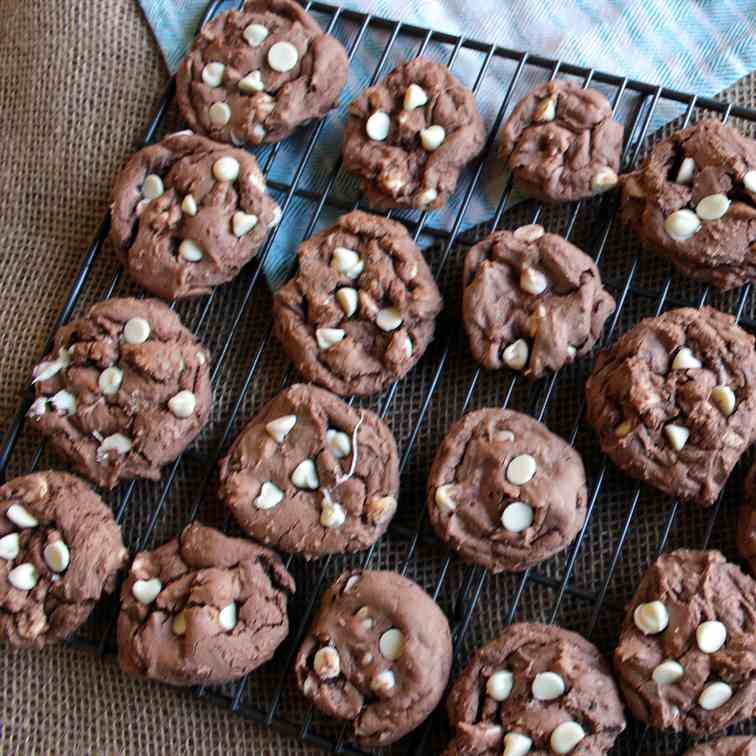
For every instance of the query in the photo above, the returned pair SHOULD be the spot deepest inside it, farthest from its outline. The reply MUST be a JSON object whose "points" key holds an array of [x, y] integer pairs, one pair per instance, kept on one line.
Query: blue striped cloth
{"points": [[700, 47]]}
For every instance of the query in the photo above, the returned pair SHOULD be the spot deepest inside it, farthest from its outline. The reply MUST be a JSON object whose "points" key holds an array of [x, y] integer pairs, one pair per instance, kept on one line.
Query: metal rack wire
{"points": [[551, 592]]}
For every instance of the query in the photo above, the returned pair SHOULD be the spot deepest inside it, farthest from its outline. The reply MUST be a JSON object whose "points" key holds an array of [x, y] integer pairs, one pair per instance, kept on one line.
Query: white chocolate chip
{"points": [[682, 224], [152, 188], [347, 261], [327, 663], [279, 428], [686, 171], [414, 97], [363, 614], [516, 744], [38, 407], [504, 436], [516, 354], [24, 577], [393, 184], [381, 509], [64, 402], [179, 623], [548, 686], [117, 443], [255, 34], [189, 205], [724, 398], [212, 74], [136, 331], [327, 337], [252, 82], [227, 617], [565, 737], [46, 370], [668, 672], [351, 582], [651, 618], [241, 223], [305, 475], [339, 443], [407, 347], [545, 110], [258, 132], [604, 178], [444, 501], [21, 517], [749, 181], [10, 545], [428, 196], [715, 695], [521, 469], [190, 251], [388, 319], [220, 114], [624, 428], [57, 556], [332, 514], [378, 126], [685, 360], [283, 56], [383, 683], [677, 435], [432, 137], [270, 495], [226, 169], [201, 359], [110, 380], [391, 644], [530, 233], [517, 516], [499, 685], [711, 636], [347, 299], [183, 404], [146, 591], [533, 280], [712, 207]]}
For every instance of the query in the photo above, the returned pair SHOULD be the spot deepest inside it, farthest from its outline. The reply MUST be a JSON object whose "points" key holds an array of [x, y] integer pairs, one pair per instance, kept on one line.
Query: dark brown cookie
{"points": [[255, 74], [562, 143], [409, 137], [694, 200], [311, 475], [360, 311], [532, 301], [60, 550], [686, 658], [674, 401], [202, 609], [747, 521], [733, 746], [124, 390], [378, 654], [536, 689], [504, 491], [188, 213]]}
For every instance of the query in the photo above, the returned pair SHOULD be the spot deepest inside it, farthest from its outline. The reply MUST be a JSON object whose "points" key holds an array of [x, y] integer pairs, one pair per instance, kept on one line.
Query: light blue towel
{"points": [[700, 47]]}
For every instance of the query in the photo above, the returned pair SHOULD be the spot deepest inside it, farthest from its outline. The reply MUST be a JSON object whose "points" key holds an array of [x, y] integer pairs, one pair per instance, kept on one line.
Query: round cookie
{"points": [[311, 475], [694, 200], [535, 689], [361, 309], [532, 301], [732, 746], [188, 213], [504, 492], [685, 658], [378, 654], [202, 609], [124, 390], [60, 550], [673, 401], [562, 143], [256, 74], [746, 532], [409, 137]]}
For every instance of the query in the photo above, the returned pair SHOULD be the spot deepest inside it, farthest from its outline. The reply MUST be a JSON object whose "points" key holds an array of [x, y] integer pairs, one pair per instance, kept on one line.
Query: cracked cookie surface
{"points": [[409, 137], [562, 143], [311, 475], [732, 746], [256, 74], [694, 201], [360, 311], [60, 550], [188, 213], [747, 521], [202, 609], [124, 390], [533, 302], [673, 401], [685, 659], [535, 689], [378, 654]]}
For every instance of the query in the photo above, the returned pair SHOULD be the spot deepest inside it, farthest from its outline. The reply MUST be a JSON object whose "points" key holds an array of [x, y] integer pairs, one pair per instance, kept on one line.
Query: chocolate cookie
{"points": [[685, 658], [311, 475], [673, 401], [202, 609], [378, 653], [535, 689], [562, 143], [124, 390], [255, 74], [532, 301], [694, 200], [409, 137], [188, 213], [360, 311], [747, 521], [733, 746], [504, 492], [60, 550]]}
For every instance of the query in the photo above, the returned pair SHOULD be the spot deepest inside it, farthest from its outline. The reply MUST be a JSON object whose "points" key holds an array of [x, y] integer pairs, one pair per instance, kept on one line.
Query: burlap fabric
{"points": [[78, 82]]}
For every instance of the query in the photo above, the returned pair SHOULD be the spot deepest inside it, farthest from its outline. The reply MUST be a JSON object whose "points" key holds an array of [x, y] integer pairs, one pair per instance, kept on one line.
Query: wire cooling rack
{"points": [[628, 525]]}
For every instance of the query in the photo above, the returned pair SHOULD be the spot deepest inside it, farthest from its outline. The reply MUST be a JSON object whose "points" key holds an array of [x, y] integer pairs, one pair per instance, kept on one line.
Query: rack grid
{"points": [[585, 587]]}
